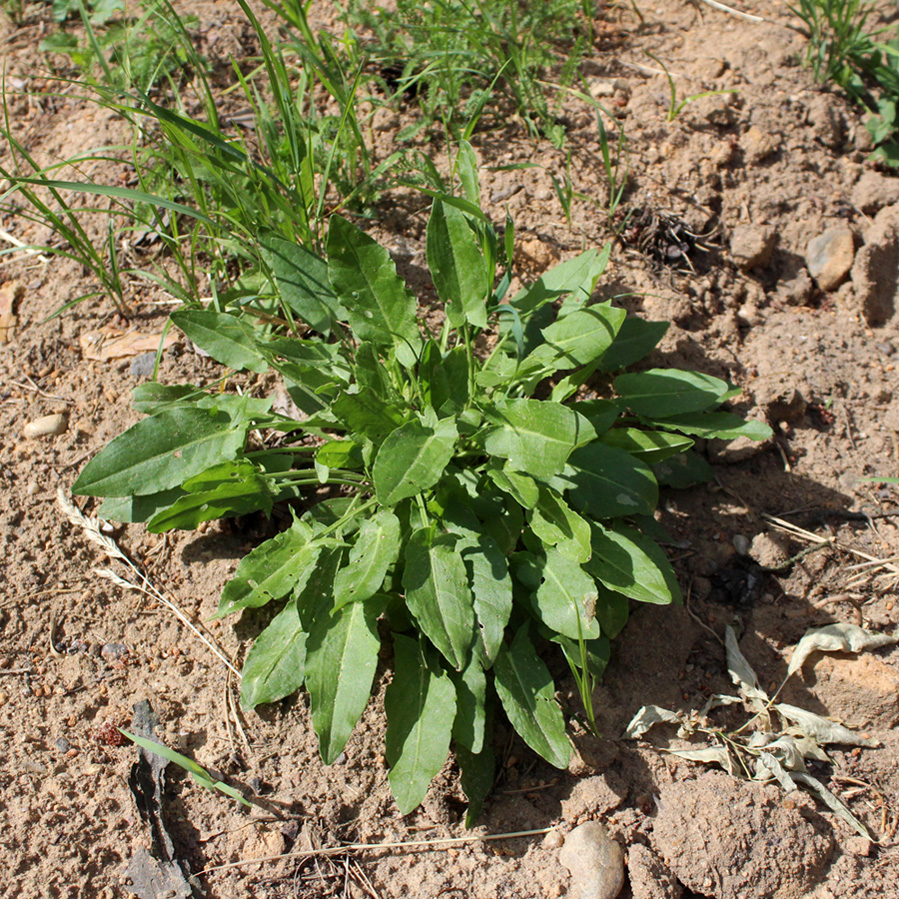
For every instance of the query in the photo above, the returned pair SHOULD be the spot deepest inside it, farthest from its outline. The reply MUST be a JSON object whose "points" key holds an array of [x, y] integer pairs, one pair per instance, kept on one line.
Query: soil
{"points": [[724, 201]]}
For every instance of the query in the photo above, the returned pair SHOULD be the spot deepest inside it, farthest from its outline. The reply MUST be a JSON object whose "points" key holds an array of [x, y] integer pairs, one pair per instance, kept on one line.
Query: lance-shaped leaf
{"points": [[607, 482], [457, 266], [421, 707], [376, 548], [412, 459], [225, 337], [635, 339], [223, 491], [438, 594], [379, 306], [721, 425], [276, 665], [536, 436], [272, 570], [662, 392], [366, 413], [162, 452], [471, 706], [302, 281], [341, 658], [649, 446], [557, 524], [581, 337], [628, 562], [491, 586], [527, 693], [562, 595], [477, 775]]}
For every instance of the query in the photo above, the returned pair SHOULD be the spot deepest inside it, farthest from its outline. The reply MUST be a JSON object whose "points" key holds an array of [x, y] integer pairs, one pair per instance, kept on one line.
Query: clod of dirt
{"points": [[595, 861], [46, 426], [873, 191], [875, 274], [829, 256], [730, 839], [827, 121], [649, 876], [751, 246], [758, 145]]}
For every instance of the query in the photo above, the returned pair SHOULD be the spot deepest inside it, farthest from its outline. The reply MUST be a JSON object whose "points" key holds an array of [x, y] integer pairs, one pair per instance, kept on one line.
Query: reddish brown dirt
{"points": [[762, 171]]}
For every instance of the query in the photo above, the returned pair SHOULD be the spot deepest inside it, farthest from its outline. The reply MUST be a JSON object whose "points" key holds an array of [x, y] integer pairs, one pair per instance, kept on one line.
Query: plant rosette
{"points": [[480, 524]]}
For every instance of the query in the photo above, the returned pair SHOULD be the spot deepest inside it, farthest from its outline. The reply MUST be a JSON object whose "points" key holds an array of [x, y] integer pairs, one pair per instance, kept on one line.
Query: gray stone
{"points": [[829, 256], [595, 861], [751, 246], [46, 426], [143, 365]]}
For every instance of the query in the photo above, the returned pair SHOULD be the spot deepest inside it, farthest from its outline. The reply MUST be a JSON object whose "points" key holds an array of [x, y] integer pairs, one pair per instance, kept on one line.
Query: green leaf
{"points": [[477, 775], [377, 547], [606, 482], [597, 654], [471, 706], [161, 452], [225, 337], [662, 392], [562, 595], [557, 524], [576, 276], [491, 586], [197, 772], [272, 570], [521, 487], [132, 509], [379, 306], [636, 338], [581, 337], [536, 436], [365, 413], [339, 454], [721, 425], [341, 658], [527, 693], [630, 563], [275, 666], [444, 378], [438, 594], [152, 397], [684, 471], [600, 413], [302, 280], [223, 491], [612, 612], [650, 446], [412, 459], [421, 706], [457, 266]]}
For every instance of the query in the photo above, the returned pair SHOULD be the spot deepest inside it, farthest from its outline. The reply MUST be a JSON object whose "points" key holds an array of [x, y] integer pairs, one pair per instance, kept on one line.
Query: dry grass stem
{"points": [[439, 844], [734, 12], [90, 527]]}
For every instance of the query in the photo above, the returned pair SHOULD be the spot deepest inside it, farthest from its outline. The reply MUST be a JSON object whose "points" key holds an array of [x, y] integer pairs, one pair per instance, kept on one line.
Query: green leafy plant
{"points": [[676, 105], [450, 55], [460, 488]]}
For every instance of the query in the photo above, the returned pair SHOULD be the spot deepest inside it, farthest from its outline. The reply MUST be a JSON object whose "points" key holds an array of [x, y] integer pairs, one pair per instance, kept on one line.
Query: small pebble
{"points": [[553, 840], [63, 745], [741, 544], [143, 365], [47, 426], [114, 651], [595, 861]]}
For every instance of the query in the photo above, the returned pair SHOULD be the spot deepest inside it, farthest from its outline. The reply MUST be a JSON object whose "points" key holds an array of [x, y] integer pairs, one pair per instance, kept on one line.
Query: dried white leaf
{"points": [[716, 700], [820, 729], [119, 581], [741, 671], [647, 717], [836, 805], [836, 638], [784, 748], [767, 767], [710, 755]]}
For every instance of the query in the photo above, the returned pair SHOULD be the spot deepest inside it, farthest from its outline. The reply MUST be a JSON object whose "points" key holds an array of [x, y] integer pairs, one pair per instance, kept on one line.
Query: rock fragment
{"points": [[751, 246], [758, 145], [829, 256], [730, 839], [873, 191], [649, 876], [595, 861], [46, 426], [875, 273]]}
